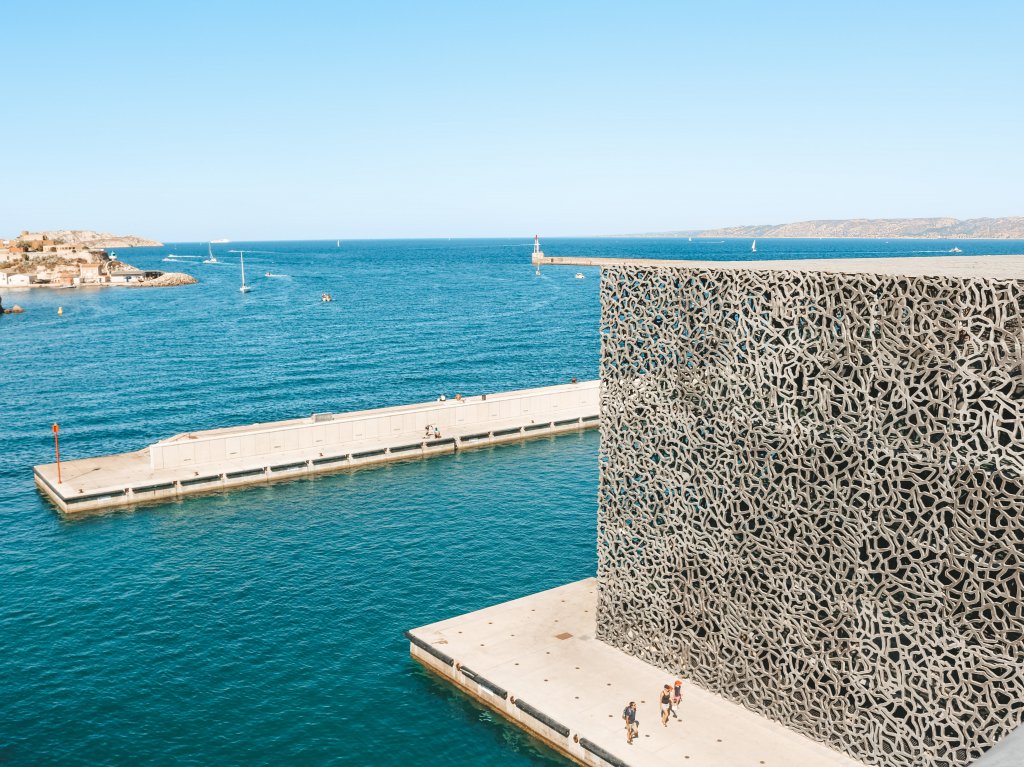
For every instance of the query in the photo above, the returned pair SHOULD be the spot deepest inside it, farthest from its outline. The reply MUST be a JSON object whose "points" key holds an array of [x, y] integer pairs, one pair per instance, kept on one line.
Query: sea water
{"points": [[264, 626]]}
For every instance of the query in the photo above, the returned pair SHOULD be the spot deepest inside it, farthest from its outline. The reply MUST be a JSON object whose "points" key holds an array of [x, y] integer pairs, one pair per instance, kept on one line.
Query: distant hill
{"points": [[93, 239], [1007, 228]]}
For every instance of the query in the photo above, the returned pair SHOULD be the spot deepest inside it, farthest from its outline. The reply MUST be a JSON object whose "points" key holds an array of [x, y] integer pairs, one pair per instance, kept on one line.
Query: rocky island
{"points": [[93, 239], [1005, 228], [73, 258]]}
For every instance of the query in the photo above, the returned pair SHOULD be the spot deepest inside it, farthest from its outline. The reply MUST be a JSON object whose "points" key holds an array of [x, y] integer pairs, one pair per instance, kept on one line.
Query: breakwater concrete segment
{"points": [[536, 662], [217, 459]]}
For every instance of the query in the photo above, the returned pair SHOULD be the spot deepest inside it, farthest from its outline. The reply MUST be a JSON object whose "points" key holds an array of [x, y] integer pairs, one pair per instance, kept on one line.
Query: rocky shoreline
{"points": [[166, 280]]}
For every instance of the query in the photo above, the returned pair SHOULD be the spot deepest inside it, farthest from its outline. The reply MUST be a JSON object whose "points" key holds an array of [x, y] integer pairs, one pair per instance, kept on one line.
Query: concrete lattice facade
{"points": [[811, 498]]}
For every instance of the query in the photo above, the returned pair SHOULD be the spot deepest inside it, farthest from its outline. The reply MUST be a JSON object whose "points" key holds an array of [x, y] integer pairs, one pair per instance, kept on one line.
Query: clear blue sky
{"points": [[251, 120]]}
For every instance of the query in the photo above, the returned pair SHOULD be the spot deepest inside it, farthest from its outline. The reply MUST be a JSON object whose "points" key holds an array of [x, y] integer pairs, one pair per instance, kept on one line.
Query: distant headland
{"points": [[90, 239], [1006, 228]]}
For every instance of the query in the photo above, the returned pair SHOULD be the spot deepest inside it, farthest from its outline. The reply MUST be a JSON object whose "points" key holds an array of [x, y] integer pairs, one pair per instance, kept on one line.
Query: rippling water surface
{"points": [[265, 626]]}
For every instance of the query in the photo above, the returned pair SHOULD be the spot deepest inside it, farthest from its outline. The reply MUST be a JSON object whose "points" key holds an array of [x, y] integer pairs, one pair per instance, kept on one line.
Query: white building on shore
{"points": [[15, 280]]}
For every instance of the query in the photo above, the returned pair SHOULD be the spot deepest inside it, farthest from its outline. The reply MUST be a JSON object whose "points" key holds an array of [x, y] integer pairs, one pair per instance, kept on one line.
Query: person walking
{"points": [[665, 703], [677, 697], [632, 725]]}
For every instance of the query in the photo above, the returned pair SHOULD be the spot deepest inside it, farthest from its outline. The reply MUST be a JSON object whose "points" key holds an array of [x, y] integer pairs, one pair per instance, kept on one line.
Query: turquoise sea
{"points": [[264, 626]]}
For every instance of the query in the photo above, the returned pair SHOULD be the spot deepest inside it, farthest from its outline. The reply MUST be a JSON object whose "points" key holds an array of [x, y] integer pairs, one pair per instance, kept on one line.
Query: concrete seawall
{"points": [[536, 661], [218, 459]]}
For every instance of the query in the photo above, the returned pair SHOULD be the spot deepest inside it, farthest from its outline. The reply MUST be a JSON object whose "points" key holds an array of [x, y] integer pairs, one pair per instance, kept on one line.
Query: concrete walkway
{"points": [[541, 650], [222, 459]]}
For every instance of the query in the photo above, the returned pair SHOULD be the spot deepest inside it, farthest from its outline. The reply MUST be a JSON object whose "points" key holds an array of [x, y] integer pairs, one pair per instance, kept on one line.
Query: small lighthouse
{"points": [[538, 254]]}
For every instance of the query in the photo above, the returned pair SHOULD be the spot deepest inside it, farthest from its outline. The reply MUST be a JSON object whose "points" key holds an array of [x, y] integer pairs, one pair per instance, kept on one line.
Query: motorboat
{"points": [[579, 275], [326, 298], [956, 250]]}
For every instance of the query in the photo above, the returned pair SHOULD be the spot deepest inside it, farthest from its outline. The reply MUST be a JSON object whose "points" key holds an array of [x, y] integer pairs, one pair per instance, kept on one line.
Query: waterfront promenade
{"points": [[536, 662], [218, 459]]}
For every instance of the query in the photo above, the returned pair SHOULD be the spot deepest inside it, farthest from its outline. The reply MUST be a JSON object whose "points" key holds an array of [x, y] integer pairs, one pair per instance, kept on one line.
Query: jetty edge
{"points": [[220, 459], [536, 661]]}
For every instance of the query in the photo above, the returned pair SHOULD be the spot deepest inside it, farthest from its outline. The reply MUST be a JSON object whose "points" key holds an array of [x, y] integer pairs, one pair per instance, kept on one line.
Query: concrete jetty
{"points": [[218, 459], [1008, 267], [536, 662]]}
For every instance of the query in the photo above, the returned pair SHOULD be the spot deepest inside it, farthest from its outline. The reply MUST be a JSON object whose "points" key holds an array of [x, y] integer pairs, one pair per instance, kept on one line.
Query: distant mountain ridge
{"points": [[93, 239], [1006, 228]]}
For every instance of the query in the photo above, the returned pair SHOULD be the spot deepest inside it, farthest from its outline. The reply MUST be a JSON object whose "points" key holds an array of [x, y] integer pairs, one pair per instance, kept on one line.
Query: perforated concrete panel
{"points": [[811, 499]]}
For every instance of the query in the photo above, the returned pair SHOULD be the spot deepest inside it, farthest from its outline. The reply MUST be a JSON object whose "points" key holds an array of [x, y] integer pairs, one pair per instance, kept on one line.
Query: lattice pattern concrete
{"points": [[811, 499]]}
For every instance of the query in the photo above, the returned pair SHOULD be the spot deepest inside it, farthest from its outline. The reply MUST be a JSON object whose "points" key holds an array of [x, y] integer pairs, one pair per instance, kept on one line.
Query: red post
{"points": [[56, 445]]}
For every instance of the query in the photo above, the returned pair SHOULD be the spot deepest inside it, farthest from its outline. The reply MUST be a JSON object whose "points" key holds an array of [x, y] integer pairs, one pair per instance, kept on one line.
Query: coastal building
{"points": [[91, 273], [15, 279], [126, 274], [811, 504], [65, 249], [34, 241], [812, 475]]}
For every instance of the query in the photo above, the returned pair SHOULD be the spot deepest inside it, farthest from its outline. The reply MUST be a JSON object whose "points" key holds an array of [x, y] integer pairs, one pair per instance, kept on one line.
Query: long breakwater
{"points": [[222, 459]]}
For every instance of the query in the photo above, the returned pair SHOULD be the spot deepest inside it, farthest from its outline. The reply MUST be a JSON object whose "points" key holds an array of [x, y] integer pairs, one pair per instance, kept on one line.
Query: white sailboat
{"points": [[241, 259], [211, 259], [753, 247]]}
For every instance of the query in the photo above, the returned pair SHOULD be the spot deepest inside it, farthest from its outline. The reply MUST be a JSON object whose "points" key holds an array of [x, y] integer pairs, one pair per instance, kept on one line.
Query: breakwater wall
{"points": [[219, 459]]}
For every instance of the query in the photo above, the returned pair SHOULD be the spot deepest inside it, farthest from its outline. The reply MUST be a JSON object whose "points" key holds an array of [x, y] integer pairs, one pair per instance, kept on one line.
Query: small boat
{"points": [[241, 259], [326, 298], [579, 275], [956, 250], [753, 247]]}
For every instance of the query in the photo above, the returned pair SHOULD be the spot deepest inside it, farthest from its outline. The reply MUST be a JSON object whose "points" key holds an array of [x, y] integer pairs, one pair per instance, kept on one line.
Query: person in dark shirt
{"points": [[632, 725], [665, 702]]}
